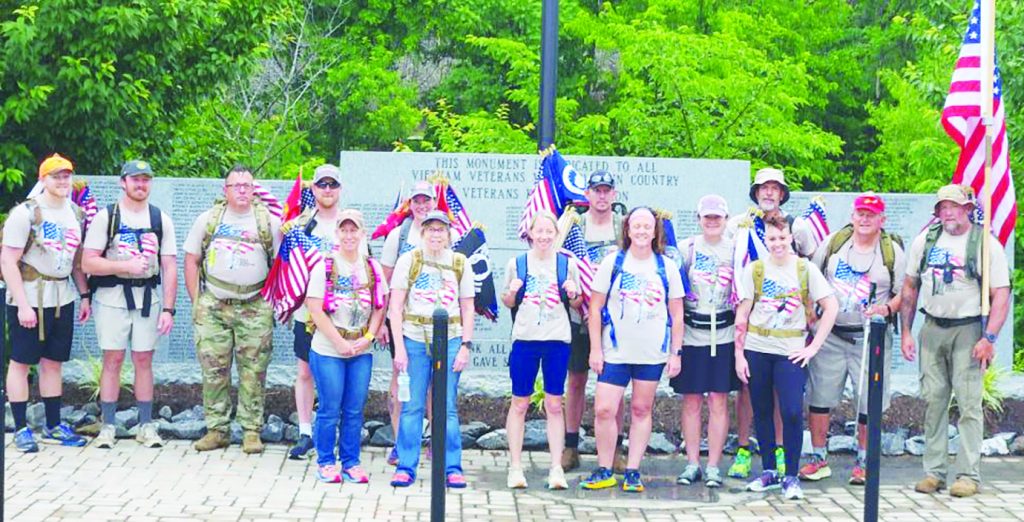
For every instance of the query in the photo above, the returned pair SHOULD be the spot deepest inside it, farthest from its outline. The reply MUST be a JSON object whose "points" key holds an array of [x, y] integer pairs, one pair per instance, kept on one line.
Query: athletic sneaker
{"points": [[601, 478], [106, 438], [741, 464], [712, 477], [516, 479], [63, 435], [632, 483], [25, 441], [859, 476], [556, 478], [328, 473], [393, 456], [302, 448], [816, 469], [149, 435], [356, 475], [791, 488], [690, 474], [767, 481], [780, 460]]}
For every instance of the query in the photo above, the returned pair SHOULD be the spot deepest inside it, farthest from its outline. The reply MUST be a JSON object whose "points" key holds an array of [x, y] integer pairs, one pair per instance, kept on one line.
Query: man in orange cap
{"points": [[39, 260]]}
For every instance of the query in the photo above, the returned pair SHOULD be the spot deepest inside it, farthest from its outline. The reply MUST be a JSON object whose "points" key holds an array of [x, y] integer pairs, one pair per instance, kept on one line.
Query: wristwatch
{"points": [[468, 345], [990, 337], [170, 311]]}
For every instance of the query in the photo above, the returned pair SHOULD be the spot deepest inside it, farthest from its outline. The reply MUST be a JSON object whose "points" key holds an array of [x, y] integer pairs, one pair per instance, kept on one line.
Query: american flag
{"points": [[851, 282], [961, 117], [538, 293], [585, 259], [815, 217], [227, 237], [779, 298], [83, 197], [272, 203], [298, 255], [460, 218], [54, 237], [939, 259], [550, 191]]}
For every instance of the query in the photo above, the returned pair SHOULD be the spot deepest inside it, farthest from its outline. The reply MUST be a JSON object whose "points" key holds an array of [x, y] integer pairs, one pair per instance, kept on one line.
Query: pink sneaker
{"points": [[456, 480], [328, 473], [357, 475]]}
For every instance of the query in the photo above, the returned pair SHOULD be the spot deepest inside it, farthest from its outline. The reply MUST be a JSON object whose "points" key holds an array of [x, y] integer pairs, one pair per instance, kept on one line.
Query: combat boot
{"points": [[214, 439], [570, 459], [251, 442]]}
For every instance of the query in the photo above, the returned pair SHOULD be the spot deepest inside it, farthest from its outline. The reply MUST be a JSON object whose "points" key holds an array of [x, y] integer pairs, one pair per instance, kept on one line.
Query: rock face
{"points": [[495, 440]]}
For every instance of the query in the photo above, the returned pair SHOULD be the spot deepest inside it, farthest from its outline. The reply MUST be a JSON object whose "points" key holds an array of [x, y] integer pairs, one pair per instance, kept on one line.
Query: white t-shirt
{"points": [[710, 272], [127, 245], [352, 298], [433, 285], [960, 298], [236, 254], [780, 306], [541, 315], [851, 273], [52, 253], [638, 308]]}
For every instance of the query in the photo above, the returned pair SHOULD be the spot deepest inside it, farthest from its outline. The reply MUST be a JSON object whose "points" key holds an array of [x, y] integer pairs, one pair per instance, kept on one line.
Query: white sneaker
{"points": [[149, 435], [791, 489], [556, 478], [106, 438], [516, 479]]}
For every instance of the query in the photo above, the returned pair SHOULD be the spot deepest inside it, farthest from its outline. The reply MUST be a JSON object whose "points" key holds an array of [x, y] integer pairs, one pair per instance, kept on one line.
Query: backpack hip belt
{"points": [[723, 319], [351, 335], [425, 320], [234, 302], [776, 332], [149, 284], [943, 322], [29, 274], [231, 287]]}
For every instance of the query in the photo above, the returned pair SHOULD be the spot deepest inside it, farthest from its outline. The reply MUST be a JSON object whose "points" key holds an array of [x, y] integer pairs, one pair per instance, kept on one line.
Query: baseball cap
{"points": [[959, 194], [437, 215], [422, 188], [869, 201], [327, 171], [712, 205], [353, 215], [764, 176], [54, 163], [136, 168], [599, 178]]}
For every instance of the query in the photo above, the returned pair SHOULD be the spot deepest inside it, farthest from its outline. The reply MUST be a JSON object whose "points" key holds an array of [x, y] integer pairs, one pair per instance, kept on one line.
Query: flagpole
{"points": [[988, 57], [548, 73]]}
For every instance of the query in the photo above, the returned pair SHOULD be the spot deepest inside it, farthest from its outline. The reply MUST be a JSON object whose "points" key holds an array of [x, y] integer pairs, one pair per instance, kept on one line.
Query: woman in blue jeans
{"points": [[430, 276], [774, 317], [541, 285], [345, 299]]}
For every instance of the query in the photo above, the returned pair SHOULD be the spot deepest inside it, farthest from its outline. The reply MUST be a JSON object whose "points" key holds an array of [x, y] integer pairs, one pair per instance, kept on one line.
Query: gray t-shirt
{"points": [[851, 273], [52, 253], [780, 305], [710, 271], [960, 298]]}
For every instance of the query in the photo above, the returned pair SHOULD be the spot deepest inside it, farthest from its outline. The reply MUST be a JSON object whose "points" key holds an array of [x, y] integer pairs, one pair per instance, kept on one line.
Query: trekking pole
{"points": [[3, 393], [438, 420], [875, 391], [864, 349]]}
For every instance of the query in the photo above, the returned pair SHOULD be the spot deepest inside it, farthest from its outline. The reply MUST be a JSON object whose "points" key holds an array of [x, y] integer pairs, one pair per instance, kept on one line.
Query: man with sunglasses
{"points": [[319, 223], [228, 253]]}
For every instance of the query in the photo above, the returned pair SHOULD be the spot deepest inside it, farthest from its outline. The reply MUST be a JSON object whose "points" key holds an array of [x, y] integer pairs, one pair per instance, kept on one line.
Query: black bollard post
{"points": [[876, 381], [438, 420]]}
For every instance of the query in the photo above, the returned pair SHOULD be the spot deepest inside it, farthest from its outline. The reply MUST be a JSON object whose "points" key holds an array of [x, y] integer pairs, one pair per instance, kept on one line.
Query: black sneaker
{"points": [[302, 449]]}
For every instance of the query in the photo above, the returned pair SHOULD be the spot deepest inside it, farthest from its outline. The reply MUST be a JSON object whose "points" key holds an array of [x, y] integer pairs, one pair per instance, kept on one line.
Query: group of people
{"points": [[793, 319]]}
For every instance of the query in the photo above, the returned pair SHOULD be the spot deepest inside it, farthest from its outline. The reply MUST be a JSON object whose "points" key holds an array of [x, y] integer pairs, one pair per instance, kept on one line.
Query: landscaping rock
{"points": [[850, 428], [236, 432], [273, 430], [495, 440], [291, 433], [35, 415], [383, 437], [165, 412], [127, 418], [373, 426], [731, 444], [294, 418], [842, 444], [954, 445], [364, 436], [65, 412], [1017, 446], [9, 420], [588, 445], [475, 429], [660, 445], [915, 445], [994, 447], [188, 429], [893, 444], [535, 436], [92, 409]]}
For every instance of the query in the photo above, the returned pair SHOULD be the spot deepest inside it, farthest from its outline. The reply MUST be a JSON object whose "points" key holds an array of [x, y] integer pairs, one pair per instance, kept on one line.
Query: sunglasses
{"points": [[601, 179], [328, 184]]}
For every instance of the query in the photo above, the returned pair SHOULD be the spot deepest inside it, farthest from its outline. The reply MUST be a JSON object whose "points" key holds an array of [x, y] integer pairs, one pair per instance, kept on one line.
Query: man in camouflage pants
{"points": [[227, 258]]}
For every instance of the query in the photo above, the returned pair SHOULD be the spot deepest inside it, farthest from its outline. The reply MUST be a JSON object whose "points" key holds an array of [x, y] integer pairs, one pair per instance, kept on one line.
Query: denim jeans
{"points": [[342, 385], [410, 426]]}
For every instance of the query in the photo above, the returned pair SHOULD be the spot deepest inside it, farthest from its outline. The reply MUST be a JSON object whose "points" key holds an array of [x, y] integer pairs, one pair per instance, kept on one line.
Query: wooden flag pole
{"points": [[988, 58]]}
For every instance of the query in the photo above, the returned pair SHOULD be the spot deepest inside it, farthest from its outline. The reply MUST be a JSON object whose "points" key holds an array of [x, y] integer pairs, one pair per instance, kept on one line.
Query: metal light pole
{"points": [[548, 73]]}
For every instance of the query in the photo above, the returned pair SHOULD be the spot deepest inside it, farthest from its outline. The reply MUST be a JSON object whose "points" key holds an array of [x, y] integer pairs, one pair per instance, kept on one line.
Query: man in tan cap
{"points": [[944, 270]]}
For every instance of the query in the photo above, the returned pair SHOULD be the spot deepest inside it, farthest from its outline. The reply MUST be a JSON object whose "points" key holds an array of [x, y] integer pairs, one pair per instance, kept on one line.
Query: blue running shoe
{"points": [[63, 435], [302, 448], [25, 441]]}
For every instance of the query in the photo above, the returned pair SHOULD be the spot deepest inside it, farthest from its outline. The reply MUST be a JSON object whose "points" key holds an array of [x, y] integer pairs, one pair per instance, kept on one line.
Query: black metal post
{"points": [[438, 420], [876, 382], [548, 72]]}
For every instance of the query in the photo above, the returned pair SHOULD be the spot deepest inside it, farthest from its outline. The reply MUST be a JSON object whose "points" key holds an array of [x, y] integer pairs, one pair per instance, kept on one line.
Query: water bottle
{"points": [[404, 394]]}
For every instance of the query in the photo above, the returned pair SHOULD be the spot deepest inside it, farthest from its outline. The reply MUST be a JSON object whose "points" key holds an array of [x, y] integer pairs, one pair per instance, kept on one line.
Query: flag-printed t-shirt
{"points": [[638, 308], [851, 273], [433, 286], [352, 299], [541, 315], [324, 237], [52, 252], [236, 254], [961, 296], [391, 250], [710, 271], [127, 245], [781, 305]]}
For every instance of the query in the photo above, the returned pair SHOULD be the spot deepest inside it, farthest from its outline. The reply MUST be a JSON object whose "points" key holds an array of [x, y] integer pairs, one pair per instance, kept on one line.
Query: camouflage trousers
{"points": [[241, 331]]}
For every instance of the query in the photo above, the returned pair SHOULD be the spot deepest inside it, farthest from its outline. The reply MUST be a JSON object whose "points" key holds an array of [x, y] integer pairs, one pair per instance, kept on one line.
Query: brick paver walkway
{"points": [[176, 483]]}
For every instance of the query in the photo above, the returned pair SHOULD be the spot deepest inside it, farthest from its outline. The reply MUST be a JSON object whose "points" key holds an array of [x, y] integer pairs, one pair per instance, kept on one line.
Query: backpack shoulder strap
{"points": [[403, 232], [36, 213], [758, 276], [617, 224], [840, 238], [660, 260], [974, 239], [263, 229], [213, 219], [113, 222], [156, 224], [932, 237], [889, 260], [805, 292], [522, 272], [415, 267], [620, 258], [459, 266]]}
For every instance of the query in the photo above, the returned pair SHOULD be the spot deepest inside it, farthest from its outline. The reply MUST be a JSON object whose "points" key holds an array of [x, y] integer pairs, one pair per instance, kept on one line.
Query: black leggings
{"points": [[768, 373]]}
